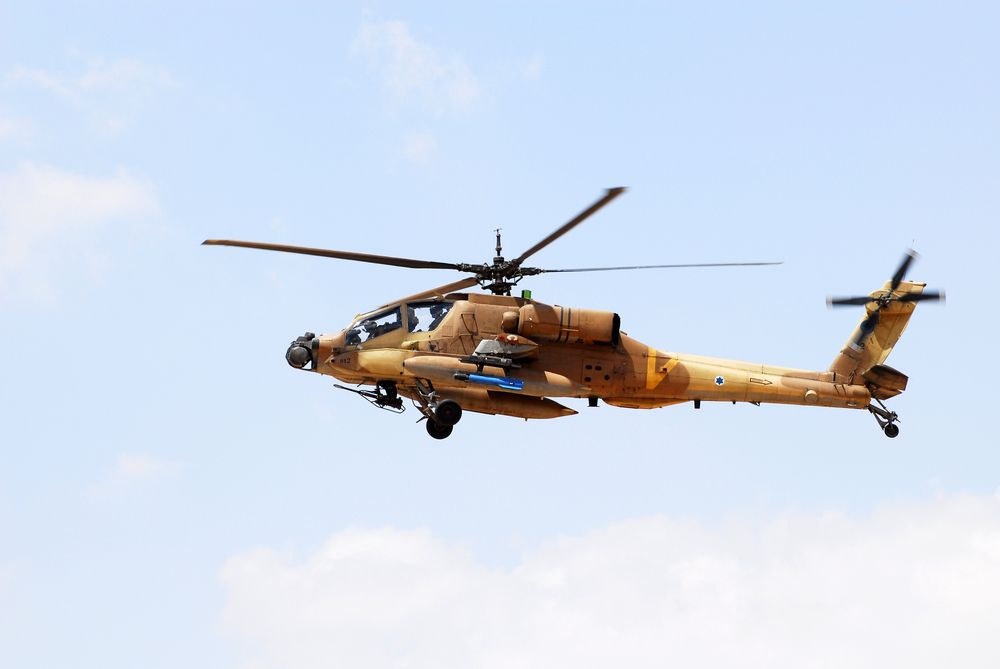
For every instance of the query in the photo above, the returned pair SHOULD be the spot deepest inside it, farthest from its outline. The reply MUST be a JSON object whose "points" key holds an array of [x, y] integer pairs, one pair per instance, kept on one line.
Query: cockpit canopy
{"points": [[426, 316], [420, 317]]}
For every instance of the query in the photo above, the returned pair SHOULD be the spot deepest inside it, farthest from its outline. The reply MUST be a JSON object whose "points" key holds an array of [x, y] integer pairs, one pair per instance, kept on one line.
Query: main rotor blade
{"points": [[342, 255], [440, 291], [908, 259], [609, 195], [926, 296], [703, 264], [848, 301]]}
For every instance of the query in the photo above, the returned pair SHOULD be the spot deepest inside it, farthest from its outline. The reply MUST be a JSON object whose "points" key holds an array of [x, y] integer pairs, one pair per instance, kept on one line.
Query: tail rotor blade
{"points": [[908, 259], [848, 301], [866, 328], [928, 296]]}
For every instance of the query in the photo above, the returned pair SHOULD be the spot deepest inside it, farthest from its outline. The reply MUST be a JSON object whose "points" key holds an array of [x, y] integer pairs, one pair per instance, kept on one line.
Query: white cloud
{"points": [[15, 129], [419, 146], [98, 75], [49, 218], [911, 585], [130, 471], [415, 72], [7, 576], [111, 92], [532, 69], [135, 467]]}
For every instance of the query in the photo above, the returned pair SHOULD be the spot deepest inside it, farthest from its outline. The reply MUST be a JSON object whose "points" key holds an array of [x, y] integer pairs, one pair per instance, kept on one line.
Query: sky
{"points": [[173, 494]]}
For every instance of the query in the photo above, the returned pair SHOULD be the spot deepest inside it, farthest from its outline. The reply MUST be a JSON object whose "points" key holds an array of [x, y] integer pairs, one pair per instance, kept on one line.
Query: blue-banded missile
{"points": [[441, 369], [502, 382]]}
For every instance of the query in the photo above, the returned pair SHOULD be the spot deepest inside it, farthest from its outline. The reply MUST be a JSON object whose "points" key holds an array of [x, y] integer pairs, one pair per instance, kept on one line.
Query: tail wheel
{"points": [[437, 430]]}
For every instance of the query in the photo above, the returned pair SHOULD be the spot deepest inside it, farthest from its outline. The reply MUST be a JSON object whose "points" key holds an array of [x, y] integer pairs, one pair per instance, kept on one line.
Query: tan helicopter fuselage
{"points": [[578, 353], [451, 351]]}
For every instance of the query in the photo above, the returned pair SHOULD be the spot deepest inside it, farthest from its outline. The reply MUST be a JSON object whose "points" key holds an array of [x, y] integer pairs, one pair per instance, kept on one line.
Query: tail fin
{"points": [[876, 334]]}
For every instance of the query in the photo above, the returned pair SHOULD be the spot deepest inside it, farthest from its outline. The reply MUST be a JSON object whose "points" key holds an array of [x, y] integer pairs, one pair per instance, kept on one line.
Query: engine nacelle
{"points": [[543, 322]]}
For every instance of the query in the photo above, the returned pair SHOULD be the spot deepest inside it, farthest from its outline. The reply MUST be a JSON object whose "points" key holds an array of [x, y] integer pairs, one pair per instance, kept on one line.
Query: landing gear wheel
{"points": [[886, 419], [437, 430], [448, 413]]}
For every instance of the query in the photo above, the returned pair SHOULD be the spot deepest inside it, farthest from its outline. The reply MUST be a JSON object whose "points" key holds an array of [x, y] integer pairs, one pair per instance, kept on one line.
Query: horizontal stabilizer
{"points": [[884, 382]]}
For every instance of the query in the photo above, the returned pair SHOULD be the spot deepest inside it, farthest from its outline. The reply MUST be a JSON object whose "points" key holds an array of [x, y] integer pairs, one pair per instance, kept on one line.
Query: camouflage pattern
{"points": [[578, 353]]}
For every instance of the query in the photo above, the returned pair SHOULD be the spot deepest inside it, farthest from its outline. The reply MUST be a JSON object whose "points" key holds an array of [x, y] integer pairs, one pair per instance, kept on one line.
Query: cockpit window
{"points": [[426, 316], [369, 327]]}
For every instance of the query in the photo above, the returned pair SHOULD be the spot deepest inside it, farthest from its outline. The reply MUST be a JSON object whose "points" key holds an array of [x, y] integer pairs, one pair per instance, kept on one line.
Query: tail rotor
{"points": [[862, 359], [883, 298]]}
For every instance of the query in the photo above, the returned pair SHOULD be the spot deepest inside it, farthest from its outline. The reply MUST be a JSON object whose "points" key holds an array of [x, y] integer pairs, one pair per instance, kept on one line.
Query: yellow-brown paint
{"points": [[555, 369], [653, 375]]}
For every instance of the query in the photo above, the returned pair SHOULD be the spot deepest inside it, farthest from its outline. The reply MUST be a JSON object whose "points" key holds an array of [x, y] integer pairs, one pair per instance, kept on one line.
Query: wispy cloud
{"points": [[914, 585], [132, 470], [48, 218], [7, 576], [99, 75], [532, 69], [15, 129], [419, 146], [134, 467], [111, 92], [416, 73]]}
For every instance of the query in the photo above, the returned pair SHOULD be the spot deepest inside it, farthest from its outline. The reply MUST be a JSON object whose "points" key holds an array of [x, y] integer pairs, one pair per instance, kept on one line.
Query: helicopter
{"points": [[449, 351]]}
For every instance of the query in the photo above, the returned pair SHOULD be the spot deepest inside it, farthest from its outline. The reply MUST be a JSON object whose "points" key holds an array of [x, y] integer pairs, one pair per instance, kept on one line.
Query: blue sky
{"points": [[173, 494]]}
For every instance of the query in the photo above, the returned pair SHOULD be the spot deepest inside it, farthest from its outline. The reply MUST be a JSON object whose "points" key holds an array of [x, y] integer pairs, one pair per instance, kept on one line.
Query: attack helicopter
{"points": [[450, 351]]}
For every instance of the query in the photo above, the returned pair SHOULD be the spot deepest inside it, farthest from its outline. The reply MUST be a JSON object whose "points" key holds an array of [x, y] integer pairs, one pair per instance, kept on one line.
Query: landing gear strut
{"points": [[442, 415], [886, 419]]}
